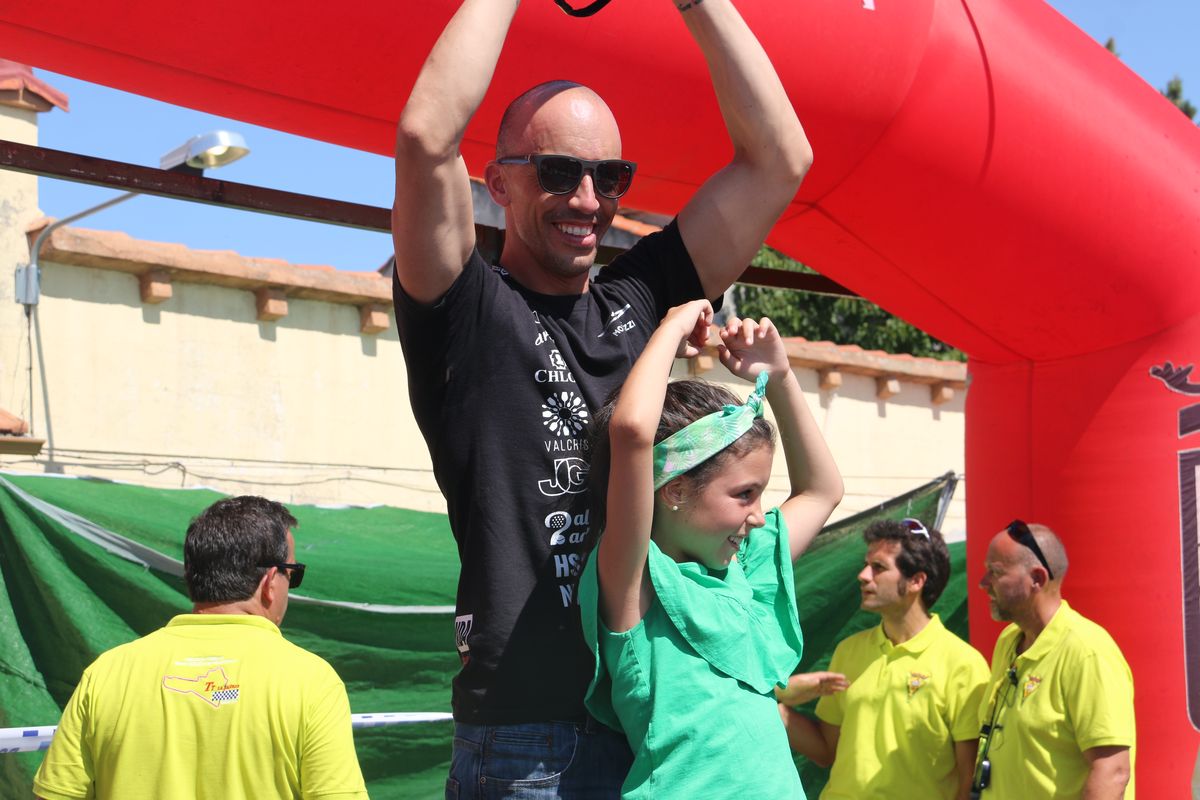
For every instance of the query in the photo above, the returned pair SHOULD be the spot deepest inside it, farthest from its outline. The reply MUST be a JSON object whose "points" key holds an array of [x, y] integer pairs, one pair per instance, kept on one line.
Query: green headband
{"points": [[690, 446]]}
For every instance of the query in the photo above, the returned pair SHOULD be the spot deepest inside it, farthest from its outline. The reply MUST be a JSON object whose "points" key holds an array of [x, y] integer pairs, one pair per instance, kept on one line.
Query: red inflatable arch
{"points": [[983, 169]]}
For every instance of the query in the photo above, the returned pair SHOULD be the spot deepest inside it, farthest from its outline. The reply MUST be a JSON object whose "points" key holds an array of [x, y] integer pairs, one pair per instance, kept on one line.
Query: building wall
{"points": [[197, 391], [18, 208]]}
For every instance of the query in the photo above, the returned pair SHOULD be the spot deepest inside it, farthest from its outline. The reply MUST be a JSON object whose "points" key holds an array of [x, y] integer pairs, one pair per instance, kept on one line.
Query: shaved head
{"points": [[552, 103], [1052, 548], [1011, 576]]}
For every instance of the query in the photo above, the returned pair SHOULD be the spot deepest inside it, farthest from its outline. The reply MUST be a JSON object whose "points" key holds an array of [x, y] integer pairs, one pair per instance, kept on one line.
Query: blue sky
{"points": [[1156, 38]]}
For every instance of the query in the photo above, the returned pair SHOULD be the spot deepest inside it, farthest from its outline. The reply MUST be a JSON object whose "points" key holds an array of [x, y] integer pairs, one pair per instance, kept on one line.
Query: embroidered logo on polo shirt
{"points": [[915, 681], [212, 686], [1031, 683]]}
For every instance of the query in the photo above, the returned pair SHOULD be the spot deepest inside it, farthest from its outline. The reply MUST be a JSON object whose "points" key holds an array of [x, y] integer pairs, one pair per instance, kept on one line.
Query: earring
{"points": [[674, 508]]}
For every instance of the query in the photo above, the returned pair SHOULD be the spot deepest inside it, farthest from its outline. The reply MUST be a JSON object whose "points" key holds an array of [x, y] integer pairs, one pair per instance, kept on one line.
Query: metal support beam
{"points": [[59, 164], [164, 183]]}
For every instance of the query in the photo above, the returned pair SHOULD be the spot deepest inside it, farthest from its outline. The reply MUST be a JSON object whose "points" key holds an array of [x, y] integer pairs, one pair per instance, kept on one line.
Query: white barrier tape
{"points": [[398, 718], [28, 740]]}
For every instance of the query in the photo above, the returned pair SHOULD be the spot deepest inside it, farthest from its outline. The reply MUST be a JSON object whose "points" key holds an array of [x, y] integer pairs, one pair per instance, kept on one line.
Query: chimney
{"points": [[20, 88]]}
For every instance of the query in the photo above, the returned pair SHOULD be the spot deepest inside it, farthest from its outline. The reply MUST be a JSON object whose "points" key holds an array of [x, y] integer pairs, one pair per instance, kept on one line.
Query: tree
{"points": [[843, 320], [1173, 90], [1174, 93]]}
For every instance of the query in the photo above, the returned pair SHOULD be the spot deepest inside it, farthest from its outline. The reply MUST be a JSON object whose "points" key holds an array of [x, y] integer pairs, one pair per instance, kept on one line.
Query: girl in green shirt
{"points": [[688, 601]]}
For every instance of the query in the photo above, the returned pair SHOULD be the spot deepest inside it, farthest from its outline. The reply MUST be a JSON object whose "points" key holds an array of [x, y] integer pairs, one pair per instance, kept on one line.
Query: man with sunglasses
{"points": [[507, 362], [1058, 716], [907, 724], [216, 703]]}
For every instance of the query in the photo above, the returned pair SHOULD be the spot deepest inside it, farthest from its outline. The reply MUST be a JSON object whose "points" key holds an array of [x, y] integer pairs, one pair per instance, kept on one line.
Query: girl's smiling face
{"points": [[712, 522]]}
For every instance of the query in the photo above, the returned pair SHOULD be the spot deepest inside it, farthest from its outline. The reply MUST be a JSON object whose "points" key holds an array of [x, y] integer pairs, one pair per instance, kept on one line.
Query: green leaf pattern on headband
{"points": [[691, 446]]}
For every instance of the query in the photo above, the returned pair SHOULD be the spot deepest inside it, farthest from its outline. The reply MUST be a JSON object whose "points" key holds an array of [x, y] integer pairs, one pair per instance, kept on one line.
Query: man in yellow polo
{"points": [[1058, 718], [907, 725], [216, 704]]}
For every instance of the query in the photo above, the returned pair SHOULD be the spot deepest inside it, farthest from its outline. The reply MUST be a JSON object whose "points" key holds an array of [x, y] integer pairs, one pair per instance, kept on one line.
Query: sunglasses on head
{"points": [[1019, 532], [915, 527], [294, 572], [562, 174]]}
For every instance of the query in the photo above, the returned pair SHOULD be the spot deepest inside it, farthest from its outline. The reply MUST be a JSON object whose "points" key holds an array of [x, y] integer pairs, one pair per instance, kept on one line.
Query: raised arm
{"points": [[433, 221], [625, 542], [816, 484], [726, 221]]}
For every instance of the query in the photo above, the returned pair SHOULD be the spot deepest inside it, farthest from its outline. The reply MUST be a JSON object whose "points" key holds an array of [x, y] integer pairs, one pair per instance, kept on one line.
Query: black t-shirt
{"points": [[503, 382]]}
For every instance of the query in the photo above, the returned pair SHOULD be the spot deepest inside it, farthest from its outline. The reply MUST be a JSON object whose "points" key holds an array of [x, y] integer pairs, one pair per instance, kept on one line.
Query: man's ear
{"points": [[917, 582], [493, 178], [267, 592], [1039, 576]]}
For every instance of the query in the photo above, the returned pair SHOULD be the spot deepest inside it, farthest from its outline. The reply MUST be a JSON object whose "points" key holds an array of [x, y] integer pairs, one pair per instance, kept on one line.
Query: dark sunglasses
{"points": [[983, 767], [915, 527], [1019, 532], [562, 174], [295, 573]]}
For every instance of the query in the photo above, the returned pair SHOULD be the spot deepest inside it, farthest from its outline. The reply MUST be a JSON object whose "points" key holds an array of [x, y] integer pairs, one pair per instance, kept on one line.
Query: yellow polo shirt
{"points": [[906, 707], [211, 707], [1074, 691]]}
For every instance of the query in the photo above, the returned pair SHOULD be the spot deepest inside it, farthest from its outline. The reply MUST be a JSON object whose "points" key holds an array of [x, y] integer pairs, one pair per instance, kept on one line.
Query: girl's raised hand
{"points": [[688, 324], [749, 347]]}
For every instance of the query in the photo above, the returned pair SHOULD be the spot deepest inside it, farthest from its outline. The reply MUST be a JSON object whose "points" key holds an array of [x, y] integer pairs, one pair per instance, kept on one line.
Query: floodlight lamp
{"points": [[215, 149]]}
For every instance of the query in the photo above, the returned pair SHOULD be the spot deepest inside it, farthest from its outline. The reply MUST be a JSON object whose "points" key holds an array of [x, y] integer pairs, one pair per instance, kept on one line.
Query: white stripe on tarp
{"points": [[148, 557], [26, 740]]}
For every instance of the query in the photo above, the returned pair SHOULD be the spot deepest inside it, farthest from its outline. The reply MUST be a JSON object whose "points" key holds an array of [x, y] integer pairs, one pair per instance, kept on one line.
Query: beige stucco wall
{"points": [[18, 207], [197, 391]]}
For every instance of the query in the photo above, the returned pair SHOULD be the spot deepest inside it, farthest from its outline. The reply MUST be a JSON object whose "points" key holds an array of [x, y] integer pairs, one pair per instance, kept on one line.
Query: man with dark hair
{"points": [[907, 726], [217, 703], [1058, 716], [551, 345]]}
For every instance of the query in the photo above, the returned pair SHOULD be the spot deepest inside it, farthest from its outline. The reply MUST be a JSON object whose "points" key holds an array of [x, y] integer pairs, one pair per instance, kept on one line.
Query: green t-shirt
{"points": [[1074, 692], [211, 707], [691, 685], [906, 707]]}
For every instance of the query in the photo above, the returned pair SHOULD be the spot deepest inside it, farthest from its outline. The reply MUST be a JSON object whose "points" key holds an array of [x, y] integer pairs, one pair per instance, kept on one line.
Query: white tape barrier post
{"points": [[27, 740]]}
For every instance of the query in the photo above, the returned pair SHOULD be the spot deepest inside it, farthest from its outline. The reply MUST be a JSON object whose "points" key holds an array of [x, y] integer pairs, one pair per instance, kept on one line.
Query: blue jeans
{"points": [[537, 761]]}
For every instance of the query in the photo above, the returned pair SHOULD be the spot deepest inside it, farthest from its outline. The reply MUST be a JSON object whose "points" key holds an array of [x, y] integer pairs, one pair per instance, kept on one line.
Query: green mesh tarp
{"points": [[86, 565]]}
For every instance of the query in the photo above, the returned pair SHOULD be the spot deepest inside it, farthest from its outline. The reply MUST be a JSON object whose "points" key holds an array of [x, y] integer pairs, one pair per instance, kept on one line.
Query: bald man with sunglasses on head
{"points": [[1058, 717], [507, 362], [216, 703]]}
